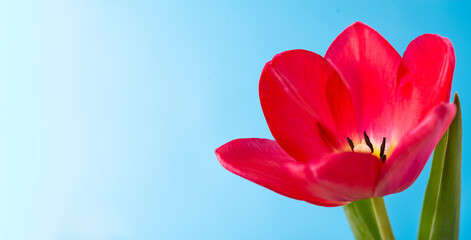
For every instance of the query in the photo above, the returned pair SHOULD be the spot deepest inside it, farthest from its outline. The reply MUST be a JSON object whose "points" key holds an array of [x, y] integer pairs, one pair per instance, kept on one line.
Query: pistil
{"points": [[362, 147]]}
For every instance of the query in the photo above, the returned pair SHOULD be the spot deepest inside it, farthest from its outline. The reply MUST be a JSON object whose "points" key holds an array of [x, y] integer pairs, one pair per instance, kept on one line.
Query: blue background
{"points": [[111, 110]]}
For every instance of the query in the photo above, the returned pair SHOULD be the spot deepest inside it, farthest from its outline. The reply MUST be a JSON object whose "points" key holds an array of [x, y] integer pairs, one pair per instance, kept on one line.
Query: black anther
{"points": [[367, 140], [350, 143], [383, 158], [383, 146]]}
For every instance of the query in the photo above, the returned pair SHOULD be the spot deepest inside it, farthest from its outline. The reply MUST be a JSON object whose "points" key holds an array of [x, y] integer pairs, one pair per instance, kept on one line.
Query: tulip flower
{"points": [[360, 122]]}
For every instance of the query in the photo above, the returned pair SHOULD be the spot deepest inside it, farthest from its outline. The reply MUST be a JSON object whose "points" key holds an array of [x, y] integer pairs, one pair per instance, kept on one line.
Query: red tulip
{"points": [[360, 122]]}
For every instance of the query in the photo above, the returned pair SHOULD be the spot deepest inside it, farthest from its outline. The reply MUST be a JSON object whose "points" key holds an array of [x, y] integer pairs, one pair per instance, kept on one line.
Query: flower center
{"points": [[367, 147]]}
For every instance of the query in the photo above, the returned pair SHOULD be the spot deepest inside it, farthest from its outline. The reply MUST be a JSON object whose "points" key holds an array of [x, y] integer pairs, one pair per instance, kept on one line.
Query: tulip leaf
{"points": [[440, 217], [368, 219]]}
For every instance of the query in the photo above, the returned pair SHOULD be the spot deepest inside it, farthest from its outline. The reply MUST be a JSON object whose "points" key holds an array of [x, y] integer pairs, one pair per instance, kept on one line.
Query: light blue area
{"points": [[111, 110]]}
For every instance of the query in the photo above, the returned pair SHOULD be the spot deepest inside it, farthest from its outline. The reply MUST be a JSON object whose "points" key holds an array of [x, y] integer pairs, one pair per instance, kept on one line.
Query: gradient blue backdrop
{"points": [[111, 110]]}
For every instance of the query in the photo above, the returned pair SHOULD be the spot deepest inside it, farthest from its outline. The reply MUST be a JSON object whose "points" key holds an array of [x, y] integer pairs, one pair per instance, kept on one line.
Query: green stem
{"points": [[382, 218], [368, 219]]}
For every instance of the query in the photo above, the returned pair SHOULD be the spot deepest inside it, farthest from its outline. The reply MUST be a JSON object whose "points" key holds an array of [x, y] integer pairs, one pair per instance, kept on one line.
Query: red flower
{"points": [[359, 123]]}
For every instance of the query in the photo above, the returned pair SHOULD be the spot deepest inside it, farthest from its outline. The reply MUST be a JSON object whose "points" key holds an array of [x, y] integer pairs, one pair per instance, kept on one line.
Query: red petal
{"points": [[346, 176], [425, 79], [369, 65], [306, 104], [413, 151], [262, 161]]}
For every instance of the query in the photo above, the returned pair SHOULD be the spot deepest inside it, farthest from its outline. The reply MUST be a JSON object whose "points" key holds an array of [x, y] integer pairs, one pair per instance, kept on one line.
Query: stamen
{"points": [[350, 143], [383, 158], [383, 146], [367, 139]]}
